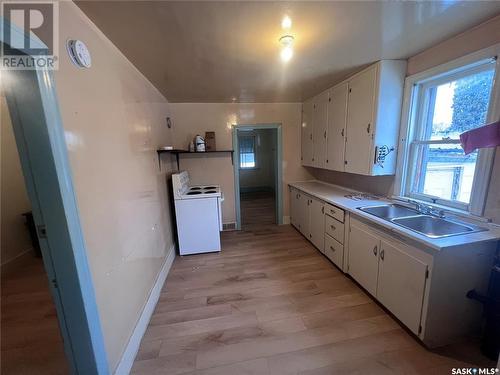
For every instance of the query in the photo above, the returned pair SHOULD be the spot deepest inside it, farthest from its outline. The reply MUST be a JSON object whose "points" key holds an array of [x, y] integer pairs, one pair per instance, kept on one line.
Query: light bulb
{"points": [[286, 23], [286, 53]]}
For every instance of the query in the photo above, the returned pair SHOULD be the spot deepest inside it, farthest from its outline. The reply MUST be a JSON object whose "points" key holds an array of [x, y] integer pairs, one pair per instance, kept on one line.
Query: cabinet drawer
{"points": [[334, 212], [334, 251], [334, 228]]}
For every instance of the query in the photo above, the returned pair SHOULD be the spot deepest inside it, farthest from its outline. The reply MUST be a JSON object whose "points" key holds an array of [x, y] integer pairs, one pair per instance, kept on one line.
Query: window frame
{"points": [[249, 135], [413, 122]]}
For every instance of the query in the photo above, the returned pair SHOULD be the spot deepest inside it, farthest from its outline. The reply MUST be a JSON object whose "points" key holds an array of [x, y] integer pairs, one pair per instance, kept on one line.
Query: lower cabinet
{"points": [[334, 251], [364, 248], [401, 283], [389, 272], [317, 223], [299, 211]]}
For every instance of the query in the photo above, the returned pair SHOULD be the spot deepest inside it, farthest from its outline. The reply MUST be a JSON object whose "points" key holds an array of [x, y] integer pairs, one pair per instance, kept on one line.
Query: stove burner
{"points": [[209, 187], [194, 193], [209, 192]]}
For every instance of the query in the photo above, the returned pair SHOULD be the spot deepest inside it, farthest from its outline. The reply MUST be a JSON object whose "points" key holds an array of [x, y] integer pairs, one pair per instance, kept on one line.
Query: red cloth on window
{"points": [[485, 136]]}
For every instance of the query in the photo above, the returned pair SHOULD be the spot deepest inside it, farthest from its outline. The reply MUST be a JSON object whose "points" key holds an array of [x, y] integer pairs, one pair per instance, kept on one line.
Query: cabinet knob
{"points": [[342, 132], [368, 128], [375, 250], [333, 228], [331, 248], [332, 211], [382, 253]]}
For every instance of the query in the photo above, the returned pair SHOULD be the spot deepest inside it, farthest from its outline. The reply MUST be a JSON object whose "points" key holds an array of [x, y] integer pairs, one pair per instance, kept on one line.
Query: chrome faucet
{"points": [[425, 209]]}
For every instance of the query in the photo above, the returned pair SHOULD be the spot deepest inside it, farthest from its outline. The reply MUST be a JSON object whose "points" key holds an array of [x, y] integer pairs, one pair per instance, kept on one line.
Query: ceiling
{"points": [[228, 51]]}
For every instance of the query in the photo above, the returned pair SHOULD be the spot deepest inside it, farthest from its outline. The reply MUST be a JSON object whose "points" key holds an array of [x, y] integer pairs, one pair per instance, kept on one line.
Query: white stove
{"points": [[198, 211]]}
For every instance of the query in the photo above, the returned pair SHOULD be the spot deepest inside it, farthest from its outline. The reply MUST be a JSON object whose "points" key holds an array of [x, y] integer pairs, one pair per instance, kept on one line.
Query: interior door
{"points": [[317, 223], [307, 133], [360, 117], [303, 214], [320, 120], [401, 284], [337, 117], [364, 249]]}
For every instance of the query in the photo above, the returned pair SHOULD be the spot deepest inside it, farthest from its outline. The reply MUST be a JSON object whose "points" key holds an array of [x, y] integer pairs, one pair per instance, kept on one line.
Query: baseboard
{"points": [[130, 352], [21, 254], [286, 220]]}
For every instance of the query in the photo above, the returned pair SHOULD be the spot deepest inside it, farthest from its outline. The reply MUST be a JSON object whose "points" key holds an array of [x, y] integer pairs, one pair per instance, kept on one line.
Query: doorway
{"points": [[39, 136], [257, 175], [30, 335]]}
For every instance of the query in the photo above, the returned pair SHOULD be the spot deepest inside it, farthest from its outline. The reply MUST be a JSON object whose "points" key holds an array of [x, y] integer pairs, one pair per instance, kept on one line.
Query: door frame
{"points": [[278, 172], [41, 145]]}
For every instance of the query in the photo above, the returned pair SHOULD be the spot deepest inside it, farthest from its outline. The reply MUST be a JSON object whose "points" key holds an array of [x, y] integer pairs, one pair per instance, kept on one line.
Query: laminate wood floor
{"points": [[31, 340], [257, 208], [270, 303]]}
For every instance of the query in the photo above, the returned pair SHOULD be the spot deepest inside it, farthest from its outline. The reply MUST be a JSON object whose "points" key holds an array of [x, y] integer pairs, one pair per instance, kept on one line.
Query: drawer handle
{"points": [[332, 211], [333, 228], [331, 248], [382, 253], [375, 250]]}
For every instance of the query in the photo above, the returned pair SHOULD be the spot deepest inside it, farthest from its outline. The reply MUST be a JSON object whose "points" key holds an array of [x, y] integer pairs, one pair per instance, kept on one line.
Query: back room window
{"points": [[247, 151]]}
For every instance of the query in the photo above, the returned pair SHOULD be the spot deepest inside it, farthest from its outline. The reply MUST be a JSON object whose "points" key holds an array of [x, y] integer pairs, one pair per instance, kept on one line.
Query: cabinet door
{"points": [[294, 203], [337, 117], [363, 256], [317, 223], [401, 284], [360, 117], [320, 121], [303, 214], [307, 133]]}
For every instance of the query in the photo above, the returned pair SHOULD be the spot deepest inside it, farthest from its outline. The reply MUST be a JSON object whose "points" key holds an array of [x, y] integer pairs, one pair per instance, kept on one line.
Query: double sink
{"points": [[428, 225]]}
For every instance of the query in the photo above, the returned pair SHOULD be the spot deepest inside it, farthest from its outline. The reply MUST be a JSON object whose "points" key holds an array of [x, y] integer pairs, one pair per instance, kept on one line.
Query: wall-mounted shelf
{"points": [[179, 152]]}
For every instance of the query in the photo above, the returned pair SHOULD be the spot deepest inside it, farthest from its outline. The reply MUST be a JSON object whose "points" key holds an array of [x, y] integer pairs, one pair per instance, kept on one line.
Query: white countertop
{"points": [[336, 195]]}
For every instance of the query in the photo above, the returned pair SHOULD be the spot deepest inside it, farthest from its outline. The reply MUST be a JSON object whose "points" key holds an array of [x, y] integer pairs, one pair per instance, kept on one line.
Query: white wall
{"points": [[190, 119], [114, 120], [15, 238]]}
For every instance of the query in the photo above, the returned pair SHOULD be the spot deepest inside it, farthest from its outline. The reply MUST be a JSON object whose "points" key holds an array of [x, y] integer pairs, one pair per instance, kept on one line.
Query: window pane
{"points": [[247, 160], [247, 151], [459, 105], [444, 171]]}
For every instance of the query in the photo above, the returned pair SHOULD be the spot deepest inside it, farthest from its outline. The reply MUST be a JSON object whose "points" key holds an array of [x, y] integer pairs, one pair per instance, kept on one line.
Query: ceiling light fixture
{"points": [[286, 23], [286, 42]]}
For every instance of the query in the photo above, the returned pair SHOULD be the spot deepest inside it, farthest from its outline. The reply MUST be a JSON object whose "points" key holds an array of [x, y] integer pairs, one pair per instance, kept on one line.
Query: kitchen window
{"points": [[248, 159], [440, 105]]}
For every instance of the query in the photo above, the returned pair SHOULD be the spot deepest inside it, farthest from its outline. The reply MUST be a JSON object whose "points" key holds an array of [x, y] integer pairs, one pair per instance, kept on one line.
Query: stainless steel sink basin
{"points": [[428, 225], [389, 211], [434, 227]]}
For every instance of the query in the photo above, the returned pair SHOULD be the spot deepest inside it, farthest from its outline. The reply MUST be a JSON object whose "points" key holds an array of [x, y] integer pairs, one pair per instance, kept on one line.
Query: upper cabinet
{"points": [[337, 121], [355, 124], [320, 126], [307, 133]]}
